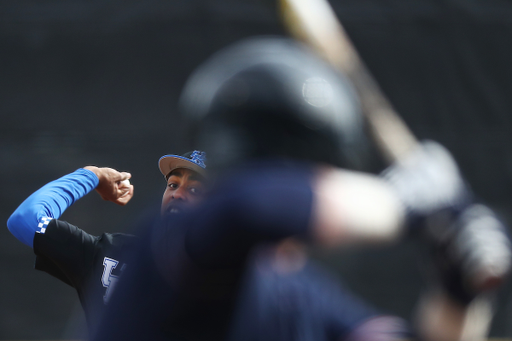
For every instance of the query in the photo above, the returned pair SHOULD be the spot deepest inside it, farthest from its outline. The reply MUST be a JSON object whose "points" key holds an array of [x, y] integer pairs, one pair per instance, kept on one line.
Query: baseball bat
{"points": [[315, 23]]}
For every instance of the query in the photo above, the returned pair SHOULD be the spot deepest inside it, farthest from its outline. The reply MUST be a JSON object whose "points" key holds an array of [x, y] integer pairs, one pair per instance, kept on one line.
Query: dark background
{"points": [[97, 82]]}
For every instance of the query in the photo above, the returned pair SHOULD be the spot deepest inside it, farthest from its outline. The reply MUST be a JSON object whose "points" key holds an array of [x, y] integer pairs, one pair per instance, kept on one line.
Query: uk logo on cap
{"points": [[198, 158]]}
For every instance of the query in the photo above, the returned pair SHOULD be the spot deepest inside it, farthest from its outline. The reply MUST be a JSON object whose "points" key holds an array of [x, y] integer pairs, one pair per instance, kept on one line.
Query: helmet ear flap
{"points": [[271, 97]]}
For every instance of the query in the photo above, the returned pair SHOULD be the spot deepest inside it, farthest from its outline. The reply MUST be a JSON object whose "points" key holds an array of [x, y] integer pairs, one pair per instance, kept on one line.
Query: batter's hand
{"points": [[428, 181], [111, 186], [473, 254]]}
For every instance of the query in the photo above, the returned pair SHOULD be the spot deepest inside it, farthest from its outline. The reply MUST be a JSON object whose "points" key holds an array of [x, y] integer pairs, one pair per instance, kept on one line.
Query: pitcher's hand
{"points": [[112, 185]]}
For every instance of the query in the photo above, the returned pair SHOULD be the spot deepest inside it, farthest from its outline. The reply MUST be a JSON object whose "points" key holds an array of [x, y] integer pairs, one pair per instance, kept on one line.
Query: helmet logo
{"points": [[317, 92]]}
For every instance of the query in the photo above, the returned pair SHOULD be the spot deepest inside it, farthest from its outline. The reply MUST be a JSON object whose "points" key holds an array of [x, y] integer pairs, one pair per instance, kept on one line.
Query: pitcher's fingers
{"points": [[125, 176], [118, 177], [124, 190], [124, 184], [126, 197]]}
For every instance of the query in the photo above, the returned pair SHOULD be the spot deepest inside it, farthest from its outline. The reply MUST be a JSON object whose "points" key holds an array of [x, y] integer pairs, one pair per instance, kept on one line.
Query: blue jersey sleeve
{"points": [[49, 202]]}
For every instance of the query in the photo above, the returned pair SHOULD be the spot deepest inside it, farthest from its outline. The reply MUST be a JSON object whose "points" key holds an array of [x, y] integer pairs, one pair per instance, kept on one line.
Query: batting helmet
{"points": [[271, 97]]}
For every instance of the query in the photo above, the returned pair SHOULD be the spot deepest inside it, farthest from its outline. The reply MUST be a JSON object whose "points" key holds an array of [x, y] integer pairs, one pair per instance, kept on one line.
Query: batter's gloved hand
{"points": [[472, 255], [428, 181]]}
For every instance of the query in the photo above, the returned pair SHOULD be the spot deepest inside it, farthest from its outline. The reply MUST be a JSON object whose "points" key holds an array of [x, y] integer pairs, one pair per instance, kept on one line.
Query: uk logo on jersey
{"points": [[109, 280], [43, 224]]}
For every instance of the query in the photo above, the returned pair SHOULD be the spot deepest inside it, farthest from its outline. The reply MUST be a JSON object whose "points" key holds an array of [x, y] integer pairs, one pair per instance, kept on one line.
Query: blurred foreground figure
{"points": [[284, 138]]}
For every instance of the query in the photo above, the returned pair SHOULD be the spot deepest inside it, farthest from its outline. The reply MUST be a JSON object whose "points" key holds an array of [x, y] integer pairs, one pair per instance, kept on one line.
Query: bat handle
{"points": [[391, 134]]}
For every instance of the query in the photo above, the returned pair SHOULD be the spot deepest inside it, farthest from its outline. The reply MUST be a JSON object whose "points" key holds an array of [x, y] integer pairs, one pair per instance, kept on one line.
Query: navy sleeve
{"points": [[49, 202], [260, 205]]}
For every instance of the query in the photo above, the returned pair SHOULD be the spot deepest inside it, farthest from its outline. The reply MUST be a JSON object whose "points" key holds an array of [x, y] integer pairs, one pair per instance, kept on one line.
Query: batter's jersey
{"points": [[90, 264], [211, 277]]}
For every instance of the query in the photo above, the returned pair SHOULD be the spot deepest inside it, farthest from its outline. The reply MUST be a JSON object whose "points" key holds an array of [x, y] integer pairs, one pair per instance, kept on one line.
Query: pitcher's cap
{"points": [[194, 160]]}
